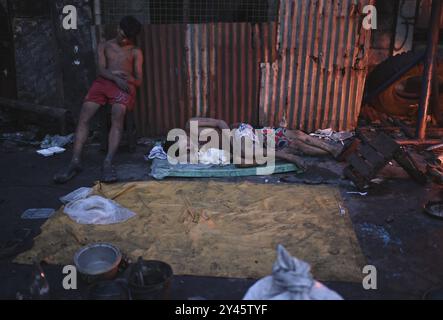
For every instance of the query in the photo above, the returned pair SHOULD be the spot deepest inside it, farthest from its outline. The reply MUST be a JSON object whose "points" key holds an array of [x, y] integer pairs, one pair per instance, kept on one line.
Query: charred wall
{"points": [[76, 54], [382, 43], [36, 60], [54, 66]]}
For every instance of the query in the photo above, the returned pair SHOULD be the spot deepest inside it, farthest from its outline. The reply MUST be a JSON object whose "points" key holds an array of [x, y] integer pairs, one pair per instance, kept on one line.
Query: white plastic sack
{"points": [[77, 194], [97, 210], [291, 280]]}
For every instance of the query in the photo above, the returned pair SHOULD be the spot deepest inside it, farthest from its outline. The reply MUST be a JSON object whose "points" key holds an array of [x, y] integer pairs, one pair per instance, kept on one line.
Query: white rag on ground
{"points": [[51, 151], [56, 141]]}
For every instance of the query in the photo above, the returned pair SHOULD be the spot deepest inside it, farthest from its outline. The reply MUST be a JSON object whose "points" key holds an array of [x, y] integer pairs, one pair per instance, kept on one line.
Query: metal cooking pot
{"points": [[98, 261]]}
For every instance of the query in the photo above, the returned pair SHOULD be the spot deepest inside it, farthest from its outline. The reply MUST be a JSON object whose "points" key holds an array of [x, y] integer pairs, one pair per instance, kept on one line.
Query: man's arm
{"points": [[208, 122], [102, 70], [106, 73], [138, 69]]}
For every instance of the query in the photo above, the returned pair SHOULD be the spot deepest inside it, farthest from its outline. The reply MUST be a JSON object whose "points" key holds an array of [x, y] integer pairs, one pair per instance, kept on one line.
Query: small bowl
{"points": [[98, 261]]}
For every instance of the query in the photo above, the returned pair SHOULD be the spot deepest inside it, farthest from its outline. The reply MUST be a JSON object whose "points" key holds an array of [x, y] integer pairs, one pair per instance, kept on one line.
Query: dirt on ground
{"points": [[394, 233]]}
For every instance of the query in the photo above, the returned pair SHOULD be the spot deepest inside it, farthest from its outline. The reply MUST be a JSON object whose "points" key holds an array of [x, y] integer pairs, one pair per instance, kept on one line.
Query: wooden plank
{"points": [[361, 166], [404, 142], [372, 155], [410, 166], [385, 145], [359, 181]]}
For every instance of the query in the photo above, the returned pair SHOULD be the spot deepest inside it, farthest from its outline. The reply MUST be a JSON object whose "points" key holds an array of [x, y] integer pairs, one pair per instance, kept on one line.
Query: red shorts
{"points": [[104, 91]]}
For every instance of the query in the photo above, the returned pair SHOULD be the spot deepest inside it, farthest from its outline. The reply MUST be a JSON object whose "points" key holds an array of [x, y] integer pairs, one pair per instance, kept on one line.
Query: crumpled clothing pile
{"points": [[156, 153], [214, 156], [329, 134]]}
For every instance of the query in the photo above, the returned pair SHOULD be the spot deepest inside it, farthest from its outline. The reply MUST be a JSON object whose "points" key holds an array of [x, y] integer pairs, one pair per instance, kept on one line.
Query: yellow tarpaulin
{"points": [[217, 229]]}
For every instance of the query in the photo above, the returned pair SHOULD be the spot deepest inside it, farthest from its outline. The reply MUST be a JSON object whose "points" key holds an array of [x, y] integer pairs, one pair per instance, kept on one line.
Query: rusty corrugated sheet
{"points": [[319, 77], [162, 102], [223, 63]]}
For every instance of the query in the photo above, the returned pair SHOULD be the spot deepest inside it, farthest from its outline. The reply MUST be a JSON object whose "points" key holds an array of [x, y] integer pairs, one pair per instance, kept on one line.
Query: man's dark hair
{"points": [[130, 26]]}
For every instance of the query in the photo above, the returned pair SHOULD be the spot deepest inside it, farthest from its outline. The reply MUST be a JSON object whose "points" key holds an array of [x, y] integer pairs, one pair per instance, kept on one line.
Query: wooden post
{"points": [[430, 65]]}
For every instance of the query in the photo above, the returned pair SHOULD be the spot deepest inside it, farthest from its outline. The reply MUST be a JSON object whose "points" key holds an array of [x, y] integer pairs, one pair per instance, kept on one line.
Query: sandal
{"points": [[67, 174]]}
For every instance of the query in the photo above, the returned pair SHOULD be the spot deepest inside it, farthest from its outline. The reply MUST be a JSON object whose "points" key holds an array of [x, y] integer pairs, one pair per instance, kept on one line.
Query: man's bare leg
{"points": [[81, 134], [115, 135]]}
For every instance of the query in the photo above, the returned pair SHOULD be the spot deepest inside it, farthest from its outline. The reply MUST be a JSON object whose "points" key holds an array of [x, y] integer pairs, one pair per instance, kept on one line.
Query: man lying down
{"points": [[203, 134], [288, 144], [120, 72]]}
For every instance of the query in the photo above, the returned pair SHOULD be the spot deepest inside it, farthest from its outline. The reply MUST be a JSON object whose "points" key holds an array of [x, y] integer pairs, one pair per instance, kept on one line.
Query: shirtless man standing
{"points": [[120, 72]]}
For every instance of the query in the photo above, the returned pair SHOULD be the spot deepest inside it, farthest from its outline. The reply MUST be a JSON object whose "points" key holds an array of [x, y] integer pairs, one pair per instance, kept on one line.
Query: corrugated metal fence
{"points": [[312, 66], [163, 101], [319, 78], [223, 62]]}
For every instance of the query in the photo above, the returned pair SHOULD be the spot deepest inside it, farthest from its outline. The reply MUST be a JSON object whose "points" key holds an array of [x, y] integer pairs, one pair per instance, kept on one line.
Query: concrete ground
{"points": [[404, 244]]}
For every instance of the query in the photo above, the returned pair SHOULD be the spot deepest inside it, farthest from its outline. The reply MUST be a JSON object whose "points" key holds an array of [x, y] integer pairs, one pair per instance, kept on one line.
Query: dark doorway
{"points": [[7, 63]]}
